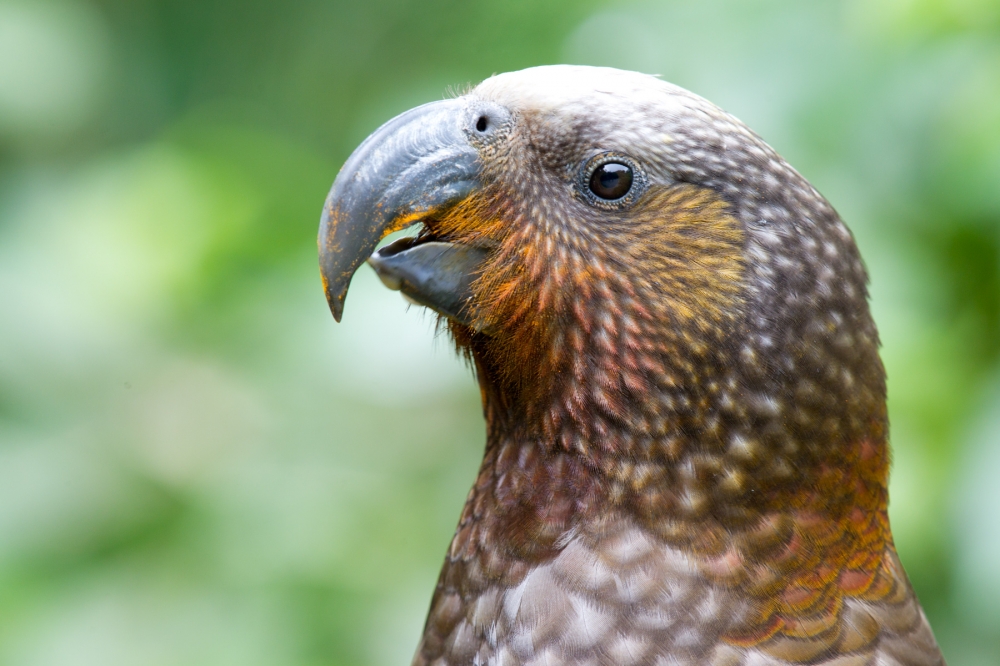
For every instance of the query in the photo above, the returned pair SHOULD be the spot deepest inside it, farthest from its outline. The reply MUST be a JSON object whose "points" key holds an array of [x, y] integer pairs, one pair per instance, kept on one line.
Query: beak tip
{"points": [[337, 309], [335, 300]]}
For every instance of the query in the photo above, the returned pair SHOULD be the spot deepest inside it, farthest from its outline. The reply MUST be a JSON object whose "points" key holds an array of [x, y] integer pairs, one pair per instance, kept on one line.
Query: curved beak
{"points": [[415, 166]]}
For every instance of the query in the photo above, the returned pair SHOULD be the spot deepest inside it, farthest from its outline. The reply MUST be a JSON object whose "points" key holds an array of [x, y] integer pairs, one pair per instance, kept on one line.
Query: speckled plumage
{"points": [[687, 456]]}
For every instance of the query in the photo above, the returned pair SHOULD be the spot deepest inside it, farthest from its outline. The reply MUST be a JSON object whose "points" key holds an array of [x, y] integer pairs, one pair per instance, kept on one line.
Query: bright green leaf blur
{"points": [[198, 467]]}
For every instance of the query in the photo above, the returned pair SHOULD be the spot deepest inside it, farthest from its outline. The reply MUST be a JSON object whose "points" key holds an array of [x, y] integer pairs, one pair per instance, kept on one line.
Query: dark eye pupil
{"points": [[611, 181], [481, 124]]}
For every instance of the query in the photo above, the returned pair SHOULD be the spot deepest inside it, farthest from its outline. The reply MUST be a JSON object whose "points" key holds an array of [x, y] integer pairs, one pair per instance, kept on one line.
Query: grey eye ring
{"points": [[611, 180]]}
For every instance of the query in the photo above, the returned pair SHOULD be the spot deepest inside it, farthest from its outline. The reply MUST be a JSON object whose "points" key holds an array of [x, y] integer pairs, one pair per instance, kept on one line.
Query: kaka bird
{"points": [[686, 456]]}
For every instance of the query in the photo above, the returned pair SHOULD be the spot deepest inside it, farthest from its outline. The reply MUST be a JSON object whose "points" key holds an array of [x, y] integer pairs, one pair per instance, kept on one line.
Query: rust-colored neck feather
{"points": [[631, 343]]}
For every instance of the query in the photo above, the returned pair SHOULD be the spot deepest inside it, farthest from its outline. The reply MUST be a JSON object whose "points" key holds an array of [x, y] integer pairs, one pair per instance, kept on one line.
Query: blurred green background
{"points": [[198, 467]]}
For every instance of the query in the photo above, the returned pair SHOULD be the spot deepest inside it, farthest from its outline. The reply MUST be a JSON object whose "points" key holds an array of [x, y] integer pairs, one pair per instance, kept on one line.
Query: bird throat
{"points": [[627, 384], [637, 349]]}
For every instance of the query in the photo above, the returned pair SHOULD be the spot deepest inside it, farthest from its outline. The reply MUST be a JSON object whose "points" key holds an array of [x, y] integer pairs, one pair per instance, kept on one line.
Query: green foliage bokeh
{"points": [[198, 467]]}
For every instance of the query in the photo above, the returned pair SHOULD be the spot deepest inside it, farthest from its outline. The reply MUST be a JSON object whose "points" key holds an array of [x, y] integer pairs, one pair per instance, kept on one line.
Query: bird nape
{"points": [[687, 455]]}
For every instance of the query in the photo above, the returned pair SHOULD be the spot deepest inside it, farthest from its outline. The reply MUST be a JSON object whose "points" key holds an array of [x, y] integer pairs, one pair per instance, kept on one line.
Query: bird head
{"points": [[638, 278]]}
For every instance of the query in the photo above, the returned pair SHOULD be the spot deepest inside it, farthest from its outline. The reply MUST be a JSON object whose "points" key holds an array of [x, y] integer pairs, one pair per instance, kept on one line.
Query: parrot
{"points": [[686, 457]]}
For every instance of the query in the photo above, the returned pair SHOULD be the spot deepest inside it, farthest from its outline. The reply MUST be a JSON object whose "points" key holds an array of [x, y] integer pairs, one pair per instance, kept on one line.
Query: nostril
{"points": [[482, 124]]}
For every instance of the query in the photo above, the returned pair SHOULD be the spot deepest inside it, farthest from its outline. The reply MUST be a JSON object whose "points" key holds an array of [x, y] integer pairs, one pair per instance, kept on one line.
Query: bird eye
{"points": [[611, 180], [482, 124]]}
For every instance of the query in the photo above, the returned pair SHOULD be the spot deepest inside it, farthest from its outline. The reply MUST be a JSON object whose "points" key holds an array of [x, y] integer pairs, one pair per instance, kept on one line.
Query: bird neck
{"points": [[802, 542], [693, 462], [675, 387]]}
